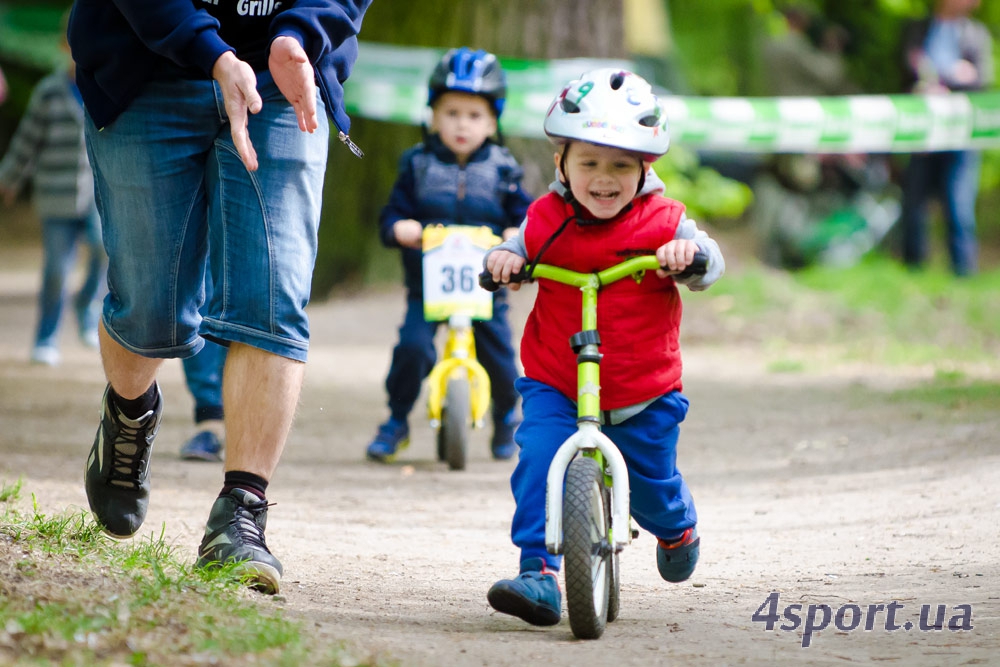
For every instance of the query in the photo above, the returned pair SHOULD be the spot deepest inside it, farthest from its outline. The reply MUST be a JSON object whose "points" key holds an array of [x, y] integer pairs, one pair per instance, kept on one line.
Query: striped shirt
{"points": [[48, 147]]}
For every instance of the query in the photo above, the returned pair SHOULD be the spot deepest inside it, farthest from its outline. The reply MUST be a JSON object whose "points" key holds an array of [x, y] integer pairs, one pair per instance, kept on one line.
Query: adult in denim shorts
{"points": [[207, 130]]}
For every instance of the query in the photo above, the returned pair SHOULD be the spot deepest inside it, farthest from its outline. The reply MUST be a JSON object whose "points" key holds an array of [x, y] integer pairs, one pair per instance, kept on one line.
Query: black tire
{"points": [[442, 455], [614, 581], [455, 417], [614, 590], [587, 553]]}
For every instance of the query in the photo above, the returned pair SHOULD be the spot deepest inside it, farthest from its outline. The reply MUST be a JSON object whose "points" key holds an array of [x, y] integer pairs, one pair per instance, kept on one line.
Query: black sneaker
{"points": [[117, 474], [235, 534]]}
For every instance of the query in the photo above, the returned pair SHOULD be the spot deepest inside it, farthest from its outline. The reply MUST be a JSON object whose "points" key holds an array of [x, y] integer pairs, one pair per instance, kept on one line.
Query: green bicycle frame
{"points": [[588, 372], [588, 438]]}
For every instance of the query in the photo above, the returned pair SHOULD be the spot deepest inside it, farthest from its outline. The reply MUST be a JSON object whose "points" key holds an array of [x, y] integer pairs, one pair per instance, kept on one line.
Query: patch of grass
{"points": [[786, 366], [954, 394], [70, 595], [877, 311]]}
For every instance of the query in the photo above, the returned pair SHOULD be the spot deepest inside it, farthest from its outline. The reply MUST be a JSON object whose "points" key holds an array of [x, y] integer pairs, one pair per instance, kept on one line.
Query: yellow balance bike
{"points": [[458, 386]]}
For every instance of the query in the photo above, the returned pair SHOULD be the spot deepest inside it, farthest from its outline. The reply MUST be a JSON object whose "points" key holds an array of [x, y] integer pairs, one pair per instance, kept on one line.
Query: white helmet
{"points": [[610, 107]]}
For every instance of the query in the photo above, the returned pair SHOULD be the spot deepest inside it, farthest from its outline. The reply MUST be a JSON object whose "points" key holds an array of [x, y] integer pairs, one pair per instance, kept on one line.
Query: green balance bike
{"points": [[588, 519]]}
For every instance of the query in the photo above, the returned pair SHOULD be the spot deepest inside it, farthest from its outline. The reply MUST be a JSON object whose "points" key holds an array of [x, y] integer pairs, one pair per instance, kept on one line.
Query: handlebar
{"points": [[697, 267]]}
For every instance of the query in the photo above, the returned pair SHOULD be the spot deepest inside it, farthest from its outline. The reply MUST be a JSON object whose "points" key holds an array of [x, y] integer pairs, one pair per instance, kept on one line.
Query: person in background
{"points": [[208, 129], [458, 176], [606, 205], [203, 376], [796, 65], [947, 51], [48, 149]]}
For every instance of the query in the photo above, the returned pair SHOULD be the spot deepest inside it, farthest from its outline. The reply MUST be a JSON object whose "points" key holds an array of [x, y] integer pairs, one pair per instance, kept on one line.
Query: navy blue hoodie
{"points": [[119, 45], [433, 188]]}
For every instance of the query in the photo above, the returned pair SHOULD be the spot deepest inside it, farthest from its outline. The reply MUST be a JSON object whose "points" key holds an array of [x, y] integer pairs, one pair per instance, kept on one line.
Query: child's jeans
{"points": [[661, 502], [203, 372], [203, 375], [59, 241]]}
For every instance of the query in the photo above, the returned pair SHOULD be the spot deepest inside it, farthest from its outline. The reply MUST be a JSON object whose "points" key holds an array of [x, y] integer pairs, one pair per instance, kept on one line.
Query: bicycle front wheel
{"points": [[454, 435], [586, 549]]}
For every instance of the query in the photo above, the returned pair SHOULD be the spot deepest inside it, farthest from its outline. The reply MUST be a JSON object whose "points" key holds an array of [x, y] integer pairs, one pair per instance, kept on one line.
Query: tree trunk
{"points": [[356, 189]]}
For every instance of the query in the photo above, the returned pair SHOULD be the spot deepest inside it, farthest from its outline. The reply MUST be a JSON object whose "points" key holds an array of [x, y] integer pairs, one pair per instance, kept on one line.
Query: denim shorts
{"points": [[172, 191]]}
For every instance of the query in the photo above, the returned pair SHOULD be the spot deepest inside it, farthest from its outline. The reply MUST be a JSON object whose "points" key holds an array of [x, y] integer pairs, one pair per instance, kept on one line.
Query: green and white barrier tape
{"points": [[390, 83]]}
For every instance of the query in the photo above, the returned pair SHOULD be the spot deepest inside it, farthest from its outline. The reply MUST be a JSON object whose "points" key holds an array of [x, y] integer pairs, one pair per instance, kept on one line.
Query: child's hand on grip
{"points": [[502, 264], [675, 256]]}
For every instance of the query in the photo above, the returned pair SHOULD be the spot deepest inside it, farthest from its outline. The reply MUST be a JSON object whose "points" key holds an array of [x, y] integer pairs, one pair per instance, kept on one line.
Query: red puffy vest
{"points": [[639, 323]]}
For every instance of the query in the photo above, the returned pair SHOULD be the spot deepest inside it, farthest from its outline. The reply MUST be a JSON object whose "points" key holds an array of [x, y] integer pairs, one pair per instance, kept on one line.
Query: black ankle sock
{"points": [[238, 479], [135, 408]]}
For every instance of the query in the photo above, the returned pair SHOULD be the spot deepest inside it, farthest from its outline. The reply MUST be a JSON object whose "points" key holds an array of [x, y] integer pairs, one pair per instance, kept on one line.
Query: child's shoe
{"points": [[502, 445], [676, 559], [392, 437], [533, 597], [45, 355], [90, 339], [207, 443]]}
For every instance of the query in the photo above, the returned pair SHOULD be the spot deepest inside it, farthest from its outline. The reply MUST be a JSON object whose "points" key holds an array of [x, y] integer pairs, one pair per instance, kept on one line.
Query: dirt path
{"points": [[824, 490]]}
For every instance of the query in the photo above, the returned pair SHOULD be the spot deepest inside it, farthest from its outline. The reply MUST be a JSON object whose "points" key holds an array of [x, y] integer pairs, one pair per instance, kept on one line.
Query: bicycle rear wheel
{"points": [[453, 438], [586, 550]]}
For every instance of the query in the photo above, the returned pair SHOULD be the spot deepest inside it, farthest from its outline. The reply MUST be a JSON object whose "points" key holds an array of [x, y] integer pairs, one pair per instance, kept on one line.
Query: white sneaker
{"points": [[45, 355], [89, 338]]}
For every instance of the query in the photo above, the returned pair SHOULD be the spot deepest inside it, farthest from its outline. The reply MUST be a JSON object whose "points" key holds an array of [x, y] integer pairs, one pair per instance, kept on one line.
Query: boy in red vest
{"points": [[605, 206]]}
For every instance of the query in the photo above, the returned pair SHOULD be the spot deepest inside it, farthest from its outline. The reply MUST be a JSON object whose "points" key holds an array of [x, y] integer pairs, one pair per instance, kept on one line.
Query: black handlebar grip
{"points": [[697, 267], [487, 283]]}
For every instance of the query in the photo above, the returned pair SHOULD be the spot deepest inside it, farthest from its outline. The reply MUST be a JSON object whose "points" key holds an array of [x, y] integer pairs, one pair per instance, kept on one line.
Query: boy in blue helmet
{"points": [[459, 175]]}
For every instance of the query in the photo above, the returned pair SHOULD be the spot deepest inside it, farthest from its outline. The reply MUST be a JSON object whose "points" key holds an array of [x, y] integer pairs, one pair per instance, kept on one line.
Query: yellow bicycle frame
{"points": [[459, 356], [458, 360]]}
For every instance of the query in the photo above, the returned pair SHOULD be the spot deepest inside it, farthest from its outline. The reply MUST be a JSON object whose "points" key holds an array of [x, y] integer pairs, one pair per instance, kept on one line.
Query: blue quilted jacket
{"points": [[433, 188]]}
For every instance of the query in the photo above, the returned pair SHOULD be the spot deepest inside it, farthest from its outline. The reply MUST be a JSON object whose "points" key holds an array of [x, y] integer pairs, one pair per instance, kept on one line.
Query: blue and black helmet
{"points": [[463, 70]]}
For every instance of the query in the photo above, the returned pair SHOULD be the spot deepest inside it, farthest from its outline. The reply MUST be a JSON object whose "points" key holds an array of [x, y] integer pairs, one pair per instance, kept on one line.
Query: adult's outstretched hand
{"points": [[239, 91], [294, 76]]}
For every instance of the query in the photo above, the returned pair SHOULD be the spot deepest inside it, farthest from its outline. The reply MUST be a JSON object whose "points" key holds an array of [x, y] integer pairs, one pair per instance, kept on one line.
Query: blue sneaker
{"points": [[205, 445], [676, 559], [533, 597], [392, 437], [502, 444]]}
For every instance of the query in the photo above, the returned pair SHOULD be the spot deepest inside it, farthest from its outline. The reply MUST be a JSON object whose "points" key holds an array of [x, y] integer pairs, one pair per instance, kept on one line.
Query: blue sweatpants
{"points": [[660, 500]]}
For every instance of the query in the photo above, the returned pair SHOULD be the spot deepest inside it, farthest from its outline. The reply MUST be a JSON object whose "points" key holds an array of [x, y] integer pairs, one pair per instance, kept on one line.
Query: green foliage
{"points": [[707, 194], [717, 43]]}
